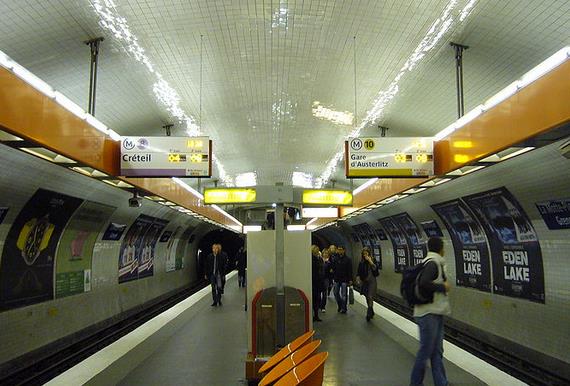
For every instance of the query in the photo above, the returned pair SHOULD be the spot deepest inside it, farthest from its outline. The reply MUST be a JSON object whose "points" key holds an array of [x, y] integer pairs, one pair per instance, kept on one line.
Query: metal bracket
{"points": [[94, 46], [459, 48]]}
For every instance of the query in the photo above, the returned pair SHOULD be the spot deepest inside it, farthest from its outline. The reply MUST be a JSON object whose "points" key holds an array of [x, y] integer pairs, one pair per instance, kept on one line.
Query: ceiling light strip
{"points": [[364, 186]]}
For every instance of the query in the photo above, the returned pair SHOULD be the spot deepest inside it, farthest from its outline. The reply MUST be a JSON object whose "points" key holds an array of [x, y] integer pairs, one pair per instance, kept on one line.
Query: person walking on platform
{"points": [[241, 266], [342, 268], [214, 268], [429, 317], [367, 273], [328, 279], [317, 280]]}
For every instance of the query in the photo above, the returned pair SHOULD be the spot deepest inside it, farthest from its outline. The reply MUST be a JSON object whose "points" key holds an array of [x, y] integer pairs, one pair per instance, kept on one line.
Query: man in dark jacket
{"points": [[241, 266], [215, 266], [342, 268], [317, 280]]}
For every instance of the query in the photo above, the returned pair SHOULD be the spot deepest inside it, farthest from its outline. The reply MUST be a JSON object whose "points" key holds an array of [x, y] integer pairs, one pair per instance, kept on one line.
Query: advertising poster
{"points": [[75, 250], [27, 265], [171, 249], [555, 213], [472, 266], [362, 236], [399, 243], [3, 212], [515, 250], [131, 248], [431, 228], [146, 257], [381, 234], [417, 246], [114, 231], [354, 237], [166, 235], [374, 241]]}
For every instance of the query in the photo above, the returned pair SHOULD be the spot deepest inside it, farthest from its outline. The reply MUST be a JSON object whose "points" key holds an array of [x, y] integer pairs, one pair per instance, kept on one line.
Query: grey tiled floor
{"points": [[211, 350]]}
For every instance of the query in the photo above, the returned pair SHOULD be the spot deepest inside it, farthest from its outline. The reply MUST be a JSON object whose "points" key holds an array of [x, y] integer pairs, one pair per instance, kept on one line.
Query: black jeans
{"points": [[216, 289]]}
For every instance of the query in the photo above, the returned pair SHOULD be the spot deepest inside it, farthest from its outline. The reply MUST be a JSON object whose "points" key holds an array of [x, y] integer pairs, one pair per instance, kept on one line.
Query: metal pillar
{"points": [[459, 48], [280, 274], [94, 45], [383, 130]]}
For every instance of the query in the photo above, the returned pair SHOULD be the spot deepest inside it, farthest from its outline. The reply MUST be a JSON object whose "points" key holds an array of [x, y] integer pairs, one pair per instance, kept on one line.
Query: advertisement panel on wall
{"points": [[131, 248], [171, 247], [146, 257], [399, 243], [369, 238], [472, 266], [75, 249], [27, 265], [114, 231], [555, 213], [515, 250], [3, 213], [416, 245], [431, 228]]}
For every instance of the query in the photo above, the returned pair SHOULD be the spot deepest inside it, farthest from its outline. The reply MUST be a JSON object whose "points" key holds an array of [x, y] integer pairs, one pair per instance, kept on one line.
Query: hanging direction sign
{"points": [[166, 157], [389, 157]]}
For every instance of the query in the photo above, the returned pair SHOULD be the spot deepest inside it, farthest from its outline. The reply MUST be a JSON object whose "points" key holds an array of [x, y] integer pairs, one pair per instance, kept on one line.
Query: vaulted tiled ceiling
{"points": [[266, 63]]}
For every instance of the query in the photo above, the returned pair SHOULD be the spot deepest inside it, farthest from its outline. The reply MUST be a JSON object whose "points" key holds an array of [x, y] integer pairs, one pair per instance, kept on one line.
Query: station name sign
{"points": [[389, 157], [166, 157]]}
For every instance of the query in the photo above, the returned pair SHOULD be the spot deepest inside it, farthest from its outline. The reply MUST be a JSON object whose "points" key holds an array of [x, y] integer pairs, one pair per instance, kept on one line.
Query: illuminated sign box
{"points": [[166, 157], [320, 212], [327, 197], [389, 157], [229, 196]]}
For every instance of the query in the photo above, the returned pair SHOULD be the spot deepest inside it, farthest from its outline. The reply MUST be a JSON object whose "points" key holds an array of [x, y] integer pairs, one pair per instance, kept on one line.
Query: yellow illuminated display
{"points": [[423, 158], [175, 157], [463, 144], [327, 197], [461, 158], [400, 157], [229, 196], [195, 158], [194, 144]]}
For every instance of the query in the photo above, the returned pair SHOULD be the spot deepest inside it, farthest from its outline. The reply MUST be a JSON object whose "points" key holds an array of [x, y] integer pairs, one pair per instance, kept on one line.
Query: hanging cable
{"points": [[201, 67], [355, 104]]}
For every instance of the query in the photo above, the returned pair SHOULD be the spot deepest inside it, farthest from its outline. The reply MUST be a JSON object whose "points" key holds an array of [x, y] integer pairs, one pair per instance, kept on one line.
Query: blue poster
{"points": [[399, 244], [416, 245], [555, 213], [431, 228], [3, 212], [472, 261], [114, 231], [515, 250]]}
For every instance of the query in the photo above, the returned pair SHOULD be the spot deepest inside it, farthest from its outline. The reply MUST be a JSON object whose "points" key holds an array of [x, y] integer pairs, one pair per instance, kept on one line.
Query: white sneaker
{"points": [[324, 311]]}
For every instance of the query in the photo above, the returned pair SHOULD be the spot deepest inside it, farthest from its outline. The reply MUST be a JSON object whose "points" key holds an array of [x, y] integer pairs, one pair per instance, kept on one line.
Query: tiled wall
{"points": [[28, 328], [540, 175]]}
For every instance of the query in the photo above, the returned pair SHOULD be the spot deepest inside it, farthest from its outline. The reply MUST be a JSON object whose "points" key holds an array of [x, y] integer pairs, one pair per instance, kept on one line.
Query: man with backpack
{"points": [[432, 286]]}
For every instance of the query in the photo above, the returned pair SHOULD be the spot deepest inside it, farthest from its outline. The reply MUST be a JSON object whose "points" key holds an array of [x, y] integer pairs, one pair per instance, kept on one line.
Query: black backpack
{"points": [[409, 286]]}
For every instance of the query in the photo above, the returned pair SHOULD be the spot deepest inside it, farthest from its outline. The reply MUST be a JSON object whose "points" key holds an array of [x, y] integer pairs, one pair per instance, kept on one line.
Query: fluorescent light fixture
{"points": [[4, 136], [5, 61], [464, 170], [515, 153], [311, 221], [364, 186], [327, 197], [545, 67], [216, 207], [114, 135], [295, 227], [69, 105], [320, 212], [40, 152], [501, 96], [188, 187], [445, 132], [251, 228], [471, 115], [33, 80], [414, 190], [246, 179], [96, 123], [434, 182], [229, 195]]}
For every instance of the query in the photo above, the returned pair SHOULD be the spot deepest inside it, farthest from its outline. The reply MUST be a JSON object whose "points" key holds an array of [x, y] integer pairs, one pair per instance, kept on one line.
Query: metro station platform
{"points": [[211, 346]]}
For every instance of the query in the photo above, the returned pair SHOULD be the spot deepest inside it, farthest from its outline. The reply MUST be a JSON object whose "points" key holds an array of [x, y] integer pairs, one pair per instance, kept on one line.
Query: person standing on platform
{"points": [[328, 279], [226, 262], [317, 280], [241, 265], [367, 273], [342, 268], [214, 269], [432, 282]]}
